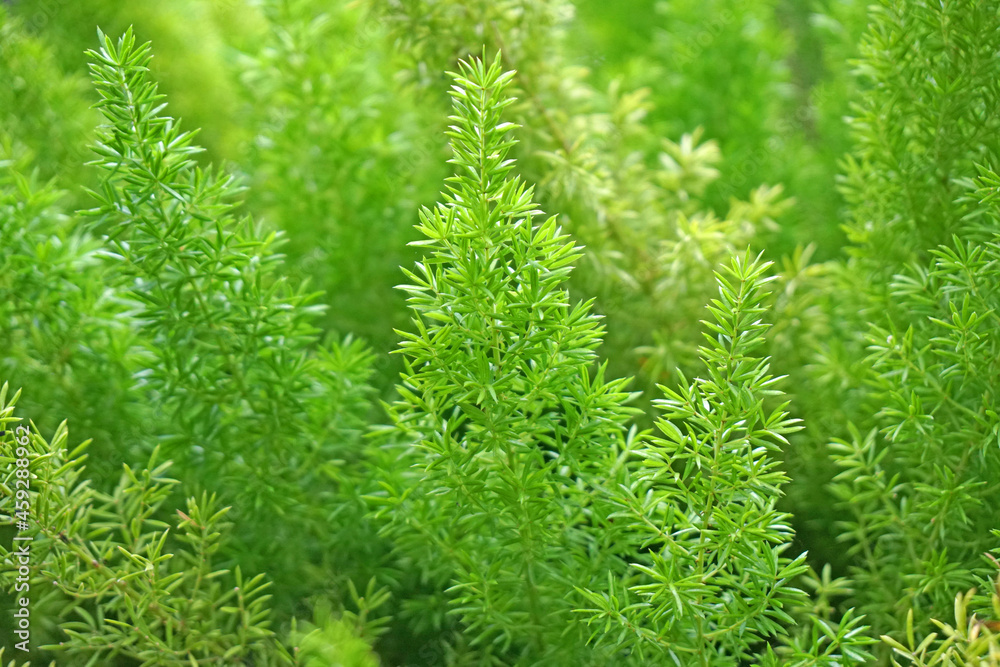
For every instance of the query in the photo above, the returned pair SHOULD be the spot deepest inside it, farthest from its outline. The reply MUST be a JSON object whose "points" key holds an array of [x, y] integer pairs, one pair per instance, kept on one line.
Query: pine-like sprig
{"points": [[634, 199], [64, 331], [710, 579], [341, 160], [258, 411], [511, 425], [919, 485]]}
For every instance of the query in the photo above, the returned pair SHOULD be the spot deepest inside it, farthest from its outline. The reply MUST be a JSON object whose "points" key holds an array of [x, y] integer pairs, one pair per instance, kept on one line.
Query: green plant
{"points": [[257, 410], [117, 581], [699, 507], [756, 76], [970, 641], [523, 505], [189, 35], [64, 332], [107, 573], [930, 75], [916, 344], [919, 485], [531, 488], [509, 423], [42, 106], [634, 199]]}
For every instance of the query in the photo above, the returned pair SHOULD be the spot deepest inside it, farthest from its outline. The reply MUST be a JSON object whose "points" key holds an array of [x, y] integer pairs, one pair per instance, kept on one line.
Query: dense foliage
{"points": [[693, 359]]}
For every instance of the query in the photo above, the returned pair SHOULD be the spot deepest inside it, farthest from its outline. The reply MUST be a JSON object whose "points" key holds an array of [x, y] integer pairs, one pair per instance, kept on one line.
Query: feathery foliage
{"points": [[510, 424], [921, 126], [633, 198], [701, 506], [828, 478], [64, 331], [916, 472], [121, 582], [257, 409]]}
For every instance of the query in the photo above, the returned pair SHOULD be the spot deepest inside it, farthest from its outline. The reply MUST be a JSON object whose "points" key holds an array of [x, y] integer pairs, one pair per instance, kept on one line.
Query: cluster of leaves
{"points": [[756, 75], [40, 105], [902, 337], [188, 33], [634, 199], [256, 409], [919, 483], [515, 510], [64, 331], [921, 127], [530, 488], [509, 425], [119, 581], [703, 500], [970, 641]]}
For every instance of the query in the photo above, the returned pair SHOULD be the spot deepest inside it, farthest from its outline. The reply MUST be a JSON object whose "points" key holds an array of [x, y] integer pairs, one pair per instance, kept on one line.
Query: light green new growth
{"points": [[509, 422], [699, 507], [635, 199]]}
